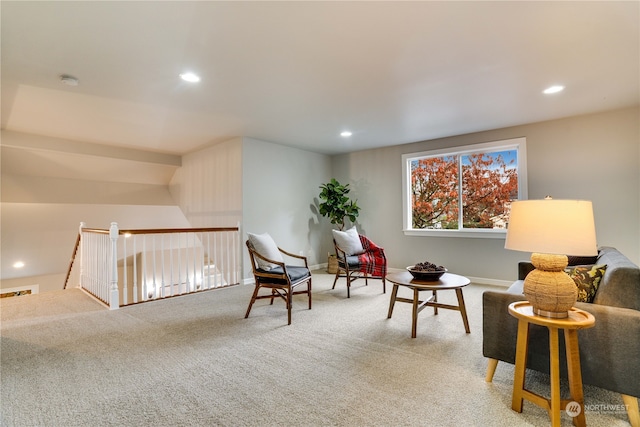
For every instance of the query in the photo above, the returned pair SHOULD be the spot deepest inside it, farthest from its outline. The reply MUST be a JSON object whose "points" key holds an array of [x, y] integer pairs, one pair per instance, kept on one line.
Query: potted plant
{"points": [[337, 206]]}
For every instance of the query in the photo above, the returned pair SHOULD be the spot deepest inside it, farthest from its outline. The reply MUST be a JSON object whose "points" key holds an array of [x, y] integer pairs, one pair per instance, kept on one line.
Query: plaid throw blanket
{"points": [[372, 261]]}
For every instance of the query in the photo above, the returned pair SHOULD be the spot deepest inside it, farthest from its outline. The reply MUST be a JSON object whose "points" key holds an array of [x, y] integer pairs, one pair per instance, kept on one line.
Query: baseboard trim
{"points": [[492, 282], [476, 280]]}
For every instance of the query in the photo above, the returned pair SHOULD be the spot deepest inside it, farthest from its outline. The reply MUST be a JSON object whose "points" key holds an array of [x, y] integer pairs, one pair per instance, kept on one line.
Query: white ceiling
{"points": [[298, 73]]}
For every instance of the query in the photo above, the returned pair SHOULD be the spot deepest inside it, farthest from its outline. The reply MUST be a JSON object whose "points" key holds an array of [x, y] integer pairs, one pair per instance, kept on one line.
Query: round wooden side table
{"points": [[578, 319], [448, 281]]}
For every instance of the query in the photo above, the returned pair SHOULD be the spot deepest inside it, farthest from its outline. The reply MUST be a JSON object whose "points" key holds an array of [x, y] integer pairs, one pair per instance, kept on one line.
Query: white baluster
{"points": [[209, 261], [162, 281], [186, 255], [171, 282], [145, 285], [135, 269], [153, 255], [114, 299], [214, 256], [125, 289], [179, 265]]}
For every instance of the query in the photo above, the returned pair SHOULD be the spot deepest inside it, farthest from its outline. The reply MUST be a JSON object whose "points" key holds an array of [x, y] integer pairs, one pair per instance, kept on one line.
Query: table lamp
{"points": [[551, 229]]}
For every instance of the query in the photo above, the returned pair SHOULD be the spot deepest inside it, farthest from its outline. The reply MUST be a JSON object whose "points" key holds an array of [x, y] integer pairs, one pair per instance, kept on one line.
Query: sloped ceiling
{"points": [[299, 73]]}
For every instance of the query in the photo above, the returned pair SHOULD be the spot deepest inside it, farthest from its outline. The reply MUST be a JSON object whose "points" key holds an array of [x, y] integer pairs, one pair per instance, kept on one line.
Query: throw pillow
{"points": [[265, 246], [587, 278], [348, 241]]}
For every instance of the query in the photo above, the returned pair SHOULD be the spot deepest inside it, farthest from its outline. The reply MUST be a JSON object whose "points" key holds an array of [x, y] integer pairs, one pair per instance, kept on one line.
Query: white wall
{"points": [[594, 157], [50, 185], [280, 189], [208, 186]]}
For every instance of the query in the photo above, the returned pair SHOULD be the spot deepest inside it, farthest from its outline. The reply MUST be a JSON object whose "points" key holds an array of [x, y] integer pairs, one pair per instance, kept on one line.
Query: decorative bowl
{"points": [[427, 276]]}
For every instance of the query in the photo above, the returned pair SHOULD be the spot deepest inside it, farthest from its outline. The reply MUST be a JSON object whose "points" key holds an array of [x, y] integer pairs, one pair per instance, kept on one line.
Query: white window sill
{"points": [[470, 233]]}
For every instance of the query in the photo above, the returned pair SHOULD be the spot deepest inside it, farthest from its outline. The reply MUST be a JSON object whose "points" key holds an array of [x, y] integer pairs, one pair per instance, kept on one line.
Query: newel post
{"points": [[114, 297]]}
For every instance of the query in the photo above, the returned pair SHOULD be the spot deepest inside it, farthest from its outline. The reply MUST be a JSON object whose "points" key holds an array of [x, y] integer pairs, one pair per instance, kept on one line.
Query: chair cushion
{"points": [[295, 273], [353, 261], [265, 246], [348, 241]]}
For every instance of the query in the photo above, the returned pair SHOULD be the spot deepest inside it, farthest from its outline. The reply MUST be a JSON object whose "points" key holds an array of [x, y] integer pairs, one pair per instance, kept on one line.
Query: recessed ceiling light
{"points": [[18, 264], [346, 134], [553, 89], [190, 77]]}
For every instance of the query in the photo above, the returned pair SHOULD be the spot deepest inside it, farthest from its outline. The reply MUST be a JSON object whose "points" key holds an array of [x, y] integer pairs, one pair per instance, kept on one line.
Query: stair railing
{"points": [[122, 267]]}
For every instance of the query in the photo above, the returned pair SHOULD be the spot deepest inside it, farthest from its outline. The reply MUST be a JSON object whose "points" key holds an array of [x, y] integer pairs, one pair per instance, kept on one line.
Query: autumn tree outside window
{"points": [[463, 190]]}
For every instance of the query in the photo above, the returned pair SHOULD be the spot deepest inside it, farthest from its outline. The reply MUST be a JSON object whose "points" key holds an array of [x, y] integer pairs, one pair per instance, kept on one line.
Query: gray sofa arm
{"points": [[524, 268], [609, 352]]}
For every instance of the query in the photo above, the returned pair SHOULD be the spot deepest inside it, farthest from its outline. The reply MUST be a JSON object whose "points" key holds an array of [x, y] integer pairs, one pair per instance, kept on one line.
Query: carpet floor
{"points": [[194, 360]]}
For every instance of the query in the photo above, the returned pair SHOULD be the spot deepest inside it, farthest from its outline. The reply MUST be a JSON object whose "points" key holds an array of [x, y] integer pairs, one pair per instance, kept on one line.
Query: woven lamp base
{"points": [[548, 288]]}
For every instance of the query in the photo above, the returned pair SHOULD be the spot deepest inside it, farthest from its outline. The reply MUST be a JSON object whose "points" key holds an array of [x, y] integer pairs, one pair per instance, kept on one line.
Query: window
{"points": [[463, 191]]}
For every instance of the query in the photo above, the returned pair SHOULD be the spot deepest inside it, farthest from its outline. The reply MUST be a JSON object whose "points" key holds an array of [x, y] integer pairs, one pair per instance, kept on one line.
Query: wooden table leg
{"points": [[414, 317], [633, 413], [435, 299], [574, 373], [392, 301], [554, 362], [491, 369], [521, 365], [463, 310]]}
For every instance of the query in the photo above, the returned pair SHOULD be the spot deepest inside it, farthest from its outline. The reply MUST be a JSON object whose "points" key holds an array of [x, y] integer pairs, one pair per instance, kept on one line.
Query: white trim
{"points": [[96, 299], [473, 280], [474, 233], [493, 282]]}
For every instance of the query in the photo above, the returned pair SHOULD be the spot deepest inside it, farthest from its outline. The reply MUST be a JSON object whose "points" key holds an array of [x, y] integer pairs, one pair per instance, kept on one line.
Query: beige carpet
{"points": [[195, 361]]}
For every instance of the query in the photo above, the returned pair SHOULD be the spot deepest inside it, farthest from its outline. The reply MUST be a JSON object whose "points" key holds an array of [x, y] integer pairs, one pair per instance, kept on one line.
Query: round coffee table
{"points": [[447, 281]]}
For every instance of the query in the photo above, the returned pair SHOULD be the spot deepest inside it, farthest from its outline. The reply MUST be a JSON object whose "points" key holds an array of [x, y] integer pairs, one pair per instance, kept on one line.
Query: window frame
{"points": [[519, 144]]}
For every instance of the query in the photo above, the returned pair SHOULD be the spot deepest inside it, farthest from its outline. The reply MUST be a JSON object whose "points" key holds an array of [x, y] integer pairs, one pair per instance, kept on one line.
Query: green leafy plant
{"points": [[337, 206]]}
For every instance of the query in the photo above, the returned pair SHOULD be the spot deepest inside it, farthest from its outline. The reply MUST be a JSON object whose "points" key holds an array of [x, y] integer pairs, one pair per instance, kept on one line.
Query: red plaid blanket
{"points": [[372, 261]]}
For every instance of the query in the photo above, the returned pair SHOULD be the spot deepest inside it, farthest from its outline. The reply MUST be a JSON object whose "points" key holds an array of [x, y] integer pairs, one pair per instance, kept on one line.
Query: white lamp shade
{"points": [[564, 227]]}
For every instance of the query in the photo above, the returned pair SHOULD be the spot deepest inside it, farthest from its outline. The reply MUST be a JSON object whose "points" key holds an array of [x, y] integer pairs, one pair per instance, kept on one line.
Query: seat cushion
{"points": [[265, 246], [353, 261], [295, 273]]}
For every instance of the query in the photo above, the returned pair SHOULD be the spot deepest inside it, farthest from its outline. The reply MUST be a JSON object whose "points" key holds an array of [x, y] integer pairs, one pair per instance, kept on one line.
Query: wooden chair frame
{"points": [[280, 283], [351, 274]]}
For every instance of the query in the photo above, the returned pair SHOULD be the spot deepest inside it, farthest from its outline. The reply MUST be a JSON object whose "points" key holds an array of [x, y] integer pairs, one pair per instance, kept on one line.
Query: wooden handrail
{"points": [[177, 230], [73, 258], [96, 230], [162, 230]]}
